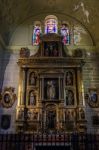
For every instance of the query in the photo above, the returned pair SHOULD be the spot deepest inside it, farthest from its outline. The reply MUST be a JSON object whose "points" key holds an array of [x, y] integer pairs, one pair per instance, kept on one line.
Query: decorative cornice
{"points": [[51, 62]]}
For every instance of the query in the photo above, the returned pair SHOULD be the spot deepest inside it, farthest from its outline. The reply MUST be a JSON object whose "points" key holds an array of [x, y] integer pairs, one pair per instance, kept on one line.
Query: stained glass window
{"points": [[65, 33], [36, 35], [77, 35], [51, 24]]}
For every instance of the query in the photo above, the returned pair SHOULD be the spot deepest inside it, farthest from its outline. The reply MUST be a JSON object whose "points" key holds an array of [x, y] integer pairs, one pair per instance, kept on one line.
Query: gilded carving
{"points": [[20, 114], [81, 114], [24, 52], [70, 119], [51, 87]]}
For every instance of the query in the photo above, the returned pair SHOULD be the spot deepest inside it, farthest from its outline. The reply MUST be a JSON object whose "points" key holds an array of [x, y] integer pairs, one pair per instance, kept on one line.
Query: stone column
{"points": [[24, 98], [24, 86], [80, 87], [20, 88]]}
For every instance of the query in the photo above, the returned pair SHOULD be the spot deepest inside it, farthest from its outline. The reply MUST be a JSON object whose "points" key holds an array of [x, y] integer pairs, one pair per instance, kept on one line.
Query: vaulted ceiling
{"points": [[14, 12]]}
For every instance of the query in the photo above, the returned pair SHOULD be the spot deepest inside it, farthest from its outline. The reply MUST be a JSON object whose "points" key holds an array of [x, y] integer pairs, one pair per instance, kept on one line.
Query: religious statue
{"points": [[32, 98], [51, 91], [32, 79], [69, 78], [69, 97]]}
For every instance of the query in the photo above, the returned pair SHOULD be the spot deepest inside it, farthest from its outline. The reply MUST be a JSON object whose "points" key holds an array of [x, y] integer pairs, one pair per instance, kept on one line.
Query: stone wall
{"points": [[9, 78], [91, 80]]}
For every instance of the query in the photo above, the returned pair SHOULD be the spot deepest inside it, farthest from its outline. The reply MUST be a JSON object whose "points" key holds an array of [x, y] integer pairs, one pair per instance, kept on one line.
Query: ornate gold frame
{"points": [[8, 97]]}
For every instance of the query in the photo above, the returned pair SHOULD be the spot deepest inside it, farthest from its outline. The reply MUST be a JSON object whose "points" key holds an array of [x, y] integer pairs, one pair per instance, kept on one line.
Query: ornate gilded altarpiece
{"points": [[50, 89]]}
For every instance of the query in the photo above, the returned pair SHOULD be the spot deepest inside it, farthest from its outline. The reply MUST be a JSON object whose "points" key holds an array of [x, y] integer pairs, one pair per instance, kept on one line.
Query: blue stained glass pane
{"points": [[51, 26]]}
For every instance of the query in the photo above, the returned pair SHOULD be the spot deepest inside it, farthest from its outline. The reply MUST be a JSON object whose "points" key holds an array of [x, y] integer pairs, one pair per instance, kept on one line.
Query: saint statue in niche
{"points": [[69, 97], [32, 98], [51, 91], [69, 78], [32, 79]]}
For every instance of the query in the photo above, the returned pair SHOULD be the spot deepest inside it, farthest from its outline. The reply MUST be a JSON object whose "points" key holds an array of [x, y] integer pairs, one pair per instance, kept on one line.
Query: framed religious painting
{"points": [[8, 97], [93, 97]]}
